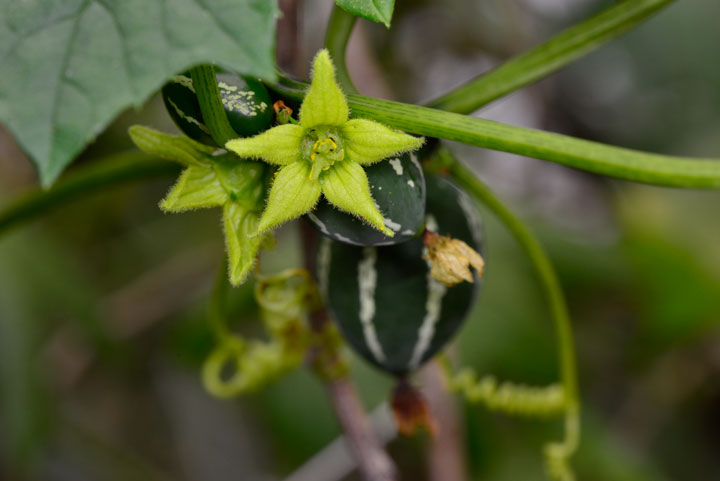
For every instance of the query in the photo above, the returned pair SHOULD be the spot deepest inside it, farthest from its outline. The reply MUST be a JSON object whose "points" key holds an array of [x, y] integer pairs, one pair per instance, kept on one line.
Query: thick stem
{"points": [[373, 462], [548, 57], [580, 154], [339, 28], [211, 105], [102, 174]]}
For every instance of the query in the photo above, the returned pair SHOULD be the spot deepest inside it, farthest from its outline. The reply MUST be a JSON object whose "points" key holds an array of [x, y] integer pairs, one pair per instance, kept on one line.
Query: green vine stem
{"points": [[552, 55], [211, 106], [218, 304], [590, 156], [510, 398], [100, 174], [340, 26], [558, 453]]}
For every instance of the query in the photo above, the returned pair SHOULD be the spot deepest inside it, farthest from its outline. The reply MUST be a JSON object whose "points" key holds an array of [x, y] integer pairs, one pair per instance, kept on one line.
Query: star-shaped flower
{"points": [[323, 154], [214, 178]]}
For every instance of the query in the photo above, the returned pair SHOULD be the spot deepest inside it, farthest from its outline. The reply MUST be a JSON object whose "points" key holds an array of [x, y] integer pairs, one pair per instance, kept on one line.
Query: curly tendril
{"points": [[510, 398], [284, 300], [523, 400]]}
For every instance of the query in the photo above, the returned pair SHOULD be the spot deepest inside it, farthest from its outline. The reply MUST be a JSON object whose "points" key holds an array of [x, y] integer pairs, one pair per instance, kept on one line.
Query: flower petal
{"points": [[170, 147], [346, 187], [324, 102], [367, 142], [240, 223], [197, 187], [291, 195], [279, 145]]}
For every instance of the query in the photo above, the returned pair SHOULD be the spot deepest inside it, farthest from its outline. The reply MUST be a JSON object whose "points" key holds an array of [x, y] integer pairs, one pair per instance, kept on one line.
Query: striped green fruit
{"points": [[386, 304], [247, 105], [398, 187]]}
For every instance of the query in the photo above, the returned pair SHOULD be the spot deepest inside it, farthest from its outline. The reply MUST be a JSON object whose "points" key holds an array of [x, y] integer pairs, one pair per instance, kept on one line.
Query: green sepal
{"points": [[198, 187], [177, 148], [345, 186], [279, 145], [240, 224], [215, 178], [324, 102], [292, 194], [367, 142], [244, 180], [397, 186]]}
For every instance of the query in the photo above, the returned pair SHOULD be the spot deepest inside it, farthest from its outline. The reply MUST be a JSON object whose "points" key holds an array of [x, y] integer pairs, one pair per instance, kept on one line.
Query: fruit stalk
{"points": [[373, 462]]}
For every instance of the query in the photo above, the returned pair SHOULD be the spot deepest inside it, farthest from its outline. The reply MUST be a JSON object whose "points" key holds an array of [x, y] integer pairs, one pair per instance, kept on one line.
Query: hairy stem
{"points": [[218, 303], [111, 171], [548, 57], [211, 104], [339, 28], [551, 287]]}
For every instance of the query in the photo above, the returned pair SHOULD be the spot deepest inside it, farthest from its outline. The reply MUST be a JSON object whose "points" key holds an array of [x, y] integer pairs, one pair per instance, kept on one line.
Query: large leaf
{"points": [[68, 67], [375, 10]]}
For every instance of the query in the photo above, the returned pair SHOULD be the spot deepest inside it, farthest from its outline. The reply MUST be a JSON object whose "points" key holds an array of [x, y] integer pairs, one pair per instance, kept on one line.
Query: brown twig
{"points": [[446, 461], [372, 461]]}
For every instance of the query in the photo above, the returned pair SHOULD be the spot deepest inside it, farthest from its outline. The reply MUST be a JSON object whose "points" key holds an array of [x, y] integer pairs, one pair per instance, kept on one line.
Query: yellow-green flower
{"points": [[323, 154], [213, 178]]}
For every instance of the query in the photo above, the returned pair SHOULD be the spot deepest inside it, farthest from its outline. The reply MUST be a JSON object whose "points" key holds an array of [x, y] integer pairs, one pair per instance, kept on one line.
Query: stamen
{"points": [[323, 147]]}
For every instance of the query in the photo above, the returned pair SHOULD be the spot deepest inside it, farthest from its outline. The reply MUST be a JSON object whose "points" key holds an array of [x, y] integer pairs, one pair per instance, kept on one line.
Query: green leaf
{"points": [[346, 187], [69, 67], [367, 142], [376, 10], [197, 188], [240, 223], [291, 195]]}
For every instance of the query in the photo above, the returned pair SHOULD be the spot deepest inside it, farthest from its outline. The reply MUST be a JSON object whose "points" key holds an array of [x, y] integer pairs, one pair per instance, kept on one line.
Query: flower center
{"points": [[322, 147]]}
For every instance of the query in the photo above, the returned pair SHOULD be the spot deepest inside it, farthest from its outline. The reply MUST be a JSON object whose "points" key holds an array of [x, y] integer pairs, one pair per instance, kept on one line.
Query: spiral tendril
{"points": [[284, 300], [510, 398]]}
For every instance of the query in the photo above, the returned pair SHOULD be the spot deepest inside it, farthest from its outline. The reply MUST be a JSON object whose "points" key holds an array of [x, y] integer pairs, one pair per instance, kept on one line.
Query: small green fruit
{"points": [[387, 305], [398, 188], [247, 105]]}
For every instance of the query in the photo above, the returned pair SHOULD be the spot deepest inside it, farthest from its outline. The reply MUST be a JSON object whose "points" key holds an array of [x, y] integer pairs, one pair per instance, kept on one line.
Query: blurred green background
{"points": [[103, 302]]}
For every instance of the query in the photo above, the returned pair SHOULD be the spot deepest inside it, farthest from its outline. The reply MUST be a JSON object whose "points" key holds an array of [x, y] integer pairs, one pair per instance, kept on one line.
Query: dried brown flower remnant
{"points": [[451, 259], [283, 113], [411, 411]]}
